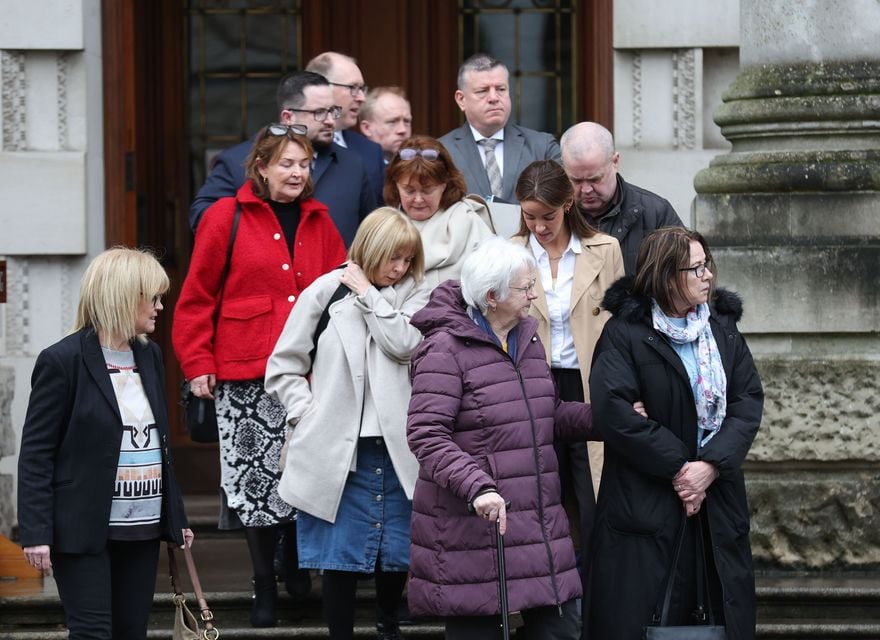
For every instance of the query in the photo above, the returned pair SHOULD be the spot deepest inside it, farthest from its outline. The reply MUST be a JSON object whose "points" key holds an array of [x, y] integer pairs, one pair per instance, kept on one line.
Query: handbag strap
{"points": [[225, 272], [205, 613], [703, 581], [663, 618]]}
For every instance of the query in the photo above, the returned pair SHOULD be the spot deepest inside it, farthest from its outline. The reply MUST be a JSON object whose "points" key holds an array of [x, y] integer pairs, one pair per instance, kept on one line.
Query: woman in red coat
{"points": [[224, 332]]}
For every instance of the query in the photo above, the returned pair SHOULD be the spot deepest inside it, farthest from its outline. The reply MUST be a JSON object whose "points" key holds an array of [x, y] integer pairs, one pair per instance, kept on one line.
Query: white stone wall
{"points": [[52, 190], [672, 61]]}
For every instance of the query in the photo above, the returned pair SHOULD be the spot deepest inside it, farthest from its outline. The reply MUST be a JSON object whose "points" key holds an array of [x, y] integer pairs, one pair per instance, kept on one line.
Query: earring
{"points": [[265, 180]]}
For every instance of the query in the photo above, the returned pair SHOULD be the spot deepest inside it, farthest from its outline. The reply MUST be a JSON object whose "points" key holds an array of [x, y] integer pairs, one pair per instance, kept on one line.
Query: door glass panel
{"points": [[533, 38], [238, 50]]}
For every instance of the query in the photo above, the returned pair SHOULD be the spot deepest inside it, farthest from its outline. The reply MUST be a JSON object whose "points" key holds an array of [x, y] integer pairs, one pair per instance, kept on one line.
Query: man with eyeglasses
{"points": [[350, 92], [340, 180], [487, 149], [604, 198]]}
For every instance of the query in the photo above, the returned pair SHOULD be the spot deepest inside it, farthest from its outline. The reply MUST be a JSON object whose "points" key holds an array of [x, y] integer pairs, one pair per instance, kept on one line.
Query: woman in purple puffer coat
{"points": [[483, 417]]}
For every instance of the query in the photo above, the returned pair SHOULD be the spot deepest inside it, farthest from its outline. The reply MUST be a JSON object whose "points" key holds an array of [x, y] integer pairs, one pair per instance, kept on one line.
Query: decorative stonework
{"points": [[7, 390], [17, 307], [14, 92], [637, 99], [66, 303], [819, 411], [684, 105], [63, 109], [815, 519]]}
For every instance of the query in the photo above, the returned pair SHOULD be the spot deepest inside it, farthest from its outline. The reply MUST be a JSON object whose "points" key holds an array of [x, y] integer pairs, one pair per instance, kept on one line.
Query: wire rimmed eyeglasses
{"points": [[427, 154], [354, 89], [527, 288]]}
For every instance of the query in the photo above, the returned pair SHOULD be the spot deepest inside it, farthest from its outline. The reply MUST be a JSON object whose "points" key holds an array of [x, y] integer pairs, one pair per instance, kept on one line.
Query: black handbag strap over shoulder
{"points": [[702, 578], [324, 320], [232, 234]]}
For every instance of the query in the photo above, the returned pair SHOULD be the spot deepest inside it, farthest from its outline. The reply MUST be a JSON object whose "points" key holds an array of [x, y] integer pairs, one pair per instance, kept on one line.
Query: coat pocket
{"points": [[244, 331]]}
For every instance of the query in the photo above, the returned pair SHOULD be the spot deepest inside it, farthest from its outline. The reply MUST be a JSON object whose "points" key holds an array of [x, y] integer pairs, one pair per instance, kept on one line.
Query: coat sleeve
{"points": [[389, 328], [433, 411], [614, 387], [193, 330], [573, 422], [44, 428], [290, 363], [745, 404], [553, 151]]}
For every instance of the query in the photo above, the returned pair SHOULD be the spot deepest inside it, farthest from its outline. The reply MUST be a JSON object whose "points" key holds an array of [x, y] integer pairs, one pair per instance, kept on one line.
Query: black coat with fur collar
{"points": [[638, 513]]}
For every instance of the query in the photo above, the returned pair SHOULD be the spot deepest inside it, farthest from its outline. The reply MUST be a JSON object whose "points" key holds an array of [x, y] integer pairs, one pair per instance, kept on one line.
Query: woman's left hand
{"points": [[694, 479], [188, 537], [353, 277]]}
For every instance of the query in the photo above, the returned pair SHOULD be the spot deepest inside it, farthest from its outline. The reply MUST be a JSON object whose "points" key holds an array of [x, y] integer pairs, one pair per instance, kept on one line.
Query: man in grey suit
{"points": [[490, 152]]}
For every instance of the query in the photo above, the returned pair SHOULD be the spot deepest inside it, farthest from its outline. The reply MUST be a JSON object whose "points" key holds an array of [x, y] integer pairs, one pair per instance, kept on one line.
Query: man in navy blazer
{"points": [[338, 174], [483, 95], [349, 92]]}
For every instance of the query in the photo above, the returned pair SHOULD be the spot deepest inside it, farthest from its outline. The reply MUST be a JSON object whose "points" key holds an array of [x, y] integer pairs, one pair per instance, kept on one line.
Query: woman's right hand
{"points": [[203, 386], [38, 558], [491, 506]]}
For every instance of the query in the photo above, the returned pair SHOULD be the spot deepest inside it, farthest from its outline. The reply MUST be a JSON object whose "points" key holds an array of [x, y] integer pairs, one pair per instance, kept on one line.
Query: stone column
{"points": [[793, 216]]}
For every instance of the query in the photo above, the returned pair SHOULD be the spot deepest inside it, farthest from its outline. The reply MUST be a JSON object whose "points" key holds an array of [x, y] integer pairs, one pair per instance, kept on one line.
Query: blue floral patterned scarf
{"points": [[711, 379]]}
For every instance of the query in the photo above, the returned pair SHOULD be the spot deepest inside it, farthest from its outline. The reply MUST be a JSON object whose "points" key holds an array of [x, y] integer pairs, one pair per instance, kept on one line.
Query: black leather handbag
{"points": [[705, 629], [200, 414]]}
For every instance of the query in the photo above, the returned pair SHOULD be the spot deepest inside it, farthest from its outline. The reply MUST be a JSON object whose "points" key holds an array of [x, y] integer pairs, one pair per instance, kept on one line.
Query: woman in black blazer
{"points": [[96, 491]]}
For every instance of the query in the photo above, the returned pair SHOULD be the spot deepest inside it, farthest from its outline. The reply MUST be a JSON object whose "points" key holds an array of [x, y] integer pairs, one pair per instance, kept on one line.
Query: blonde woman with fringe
{"points": [[348, 469], [96, 490]]}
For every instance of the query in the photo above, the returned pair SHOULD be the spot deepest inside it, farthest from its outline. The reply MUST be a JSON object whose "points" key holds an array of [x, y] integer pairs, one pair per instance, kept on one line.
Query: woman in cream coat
{"points": [[576, 265], [347, 467], [422, 180]]}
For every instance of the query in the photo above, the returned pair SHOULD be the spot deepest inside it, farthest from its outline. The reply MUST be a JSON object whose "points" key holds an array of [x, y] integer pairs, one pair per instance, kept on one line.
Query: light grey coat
{"points": [[368, 337]]}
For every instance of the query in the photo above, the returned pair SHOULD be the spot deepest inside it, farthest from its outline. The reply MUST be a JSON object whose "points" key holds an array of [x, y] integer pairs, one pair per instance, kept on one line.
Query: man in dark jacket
{"points": [[604, 198], [341, 181]]}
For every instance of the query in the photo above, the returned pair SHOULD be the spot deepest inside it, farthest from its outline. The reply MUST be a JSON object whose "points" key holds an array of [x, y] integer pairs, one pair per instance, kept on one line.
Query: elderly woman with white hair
{"points": [[483, 417]]}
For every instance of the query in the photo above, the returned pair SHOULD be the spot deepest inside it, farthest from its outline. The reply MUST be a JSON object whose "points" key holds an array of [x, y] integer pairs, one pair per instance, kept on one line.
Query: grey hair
{"points": [[490, 267], [579, 139], [478, 62]]}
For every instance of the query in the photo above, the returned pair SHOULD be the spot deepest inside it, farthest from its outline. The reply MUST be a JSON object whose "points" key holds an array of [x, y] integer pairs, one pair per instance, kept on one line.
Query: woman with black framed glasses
{"points": [[224, 332], [423, 181], [673, 472]]}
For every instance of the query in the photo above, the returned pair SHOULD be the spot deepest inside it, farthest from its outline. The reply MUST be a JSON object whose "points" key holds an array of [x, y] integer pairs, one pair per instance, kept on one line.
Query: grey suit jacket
{"points": [[522, 146]]}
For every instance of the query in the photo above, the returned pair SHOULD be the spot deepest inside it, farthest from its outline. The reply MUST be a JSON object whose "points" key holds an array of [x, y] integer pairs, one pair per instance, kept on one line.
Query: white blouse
{"points": [[558, 295]]}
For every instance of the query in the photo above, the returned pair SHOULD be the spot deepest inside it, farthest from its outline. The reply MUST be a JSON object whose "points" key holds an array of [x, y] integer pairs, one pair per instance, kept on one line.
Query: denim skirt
{"points": [[372, 525]]}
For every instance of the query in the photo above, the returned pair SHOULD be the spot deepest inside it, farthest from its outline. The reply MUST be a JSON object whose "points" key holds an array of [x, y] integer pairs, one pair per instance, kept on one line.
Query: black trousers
{"points": [[540, 623], [108, 595], [577, 486]]}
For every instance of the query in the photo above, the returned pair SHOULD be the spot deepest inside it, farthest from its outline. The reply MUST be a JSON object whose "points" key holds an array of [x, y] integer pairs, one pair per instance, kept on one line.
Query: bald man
{"points": [[604, 198]]}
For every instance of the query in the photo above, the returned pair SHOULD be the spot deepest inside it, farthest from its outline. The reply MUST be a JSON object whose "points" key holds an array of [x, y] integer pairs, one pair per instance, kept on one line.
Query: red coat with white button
{"points": [[262, 286]]}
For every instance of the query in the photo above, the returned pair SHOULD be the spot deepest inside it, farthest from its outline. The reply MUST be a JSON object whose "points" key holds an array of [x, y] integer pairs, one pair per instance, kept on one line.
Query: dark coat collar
{"points": [[631, 307]]}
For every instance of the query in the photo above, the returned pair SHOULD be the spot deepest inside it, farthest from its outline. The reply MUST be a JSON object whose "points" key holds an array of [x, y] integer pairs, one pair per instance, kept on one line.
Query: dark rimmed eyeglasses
{"points": [[354, 89], [277, 129], [427, 154], [699, 270], [335, 112]]}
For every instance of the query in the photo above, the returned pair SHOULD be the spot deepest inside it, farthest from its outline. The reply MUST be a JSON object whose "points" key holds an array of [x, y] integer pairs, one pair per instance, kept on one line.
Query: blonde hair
{"points": [[383, 233], [112, 289]]}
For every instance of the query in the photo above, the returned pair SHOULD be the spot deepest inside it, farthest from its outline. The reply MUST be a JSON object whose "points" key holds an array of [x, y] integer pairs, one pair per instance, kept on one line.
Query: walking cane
{"points": [[502, 582]]}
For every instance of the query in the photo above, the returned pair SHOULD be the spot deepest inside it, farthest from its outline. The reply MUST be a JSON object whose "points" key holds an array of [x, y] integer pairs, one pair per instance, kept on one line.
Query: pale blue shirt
{"points": [[558, 297]]}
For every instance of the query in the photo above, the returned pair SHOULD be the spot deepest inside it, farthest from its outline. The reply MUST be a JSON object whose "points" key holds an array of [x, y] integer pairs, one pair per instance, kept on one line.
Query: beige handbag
{"points": [[186, 626]]}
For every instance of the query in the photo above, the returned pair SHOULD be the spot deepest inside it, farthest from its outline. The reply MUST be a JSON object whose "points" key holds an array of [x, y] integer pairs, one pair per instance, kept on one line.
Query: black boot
{"points": [[387, 631], [263, 607], [298, 582]]}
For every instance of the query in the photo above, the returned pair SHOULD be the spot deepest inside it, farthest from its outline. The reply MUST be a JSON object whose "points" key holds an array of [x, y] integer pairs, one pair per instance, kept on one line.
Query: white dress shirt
{"points": [[558, 296]]}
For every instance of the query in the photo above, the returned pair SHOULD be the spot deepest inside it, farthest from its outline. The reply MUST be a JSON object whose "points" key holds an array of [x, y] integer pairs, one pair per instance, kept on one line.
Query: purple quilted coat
{"points": [[478, 420]]}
